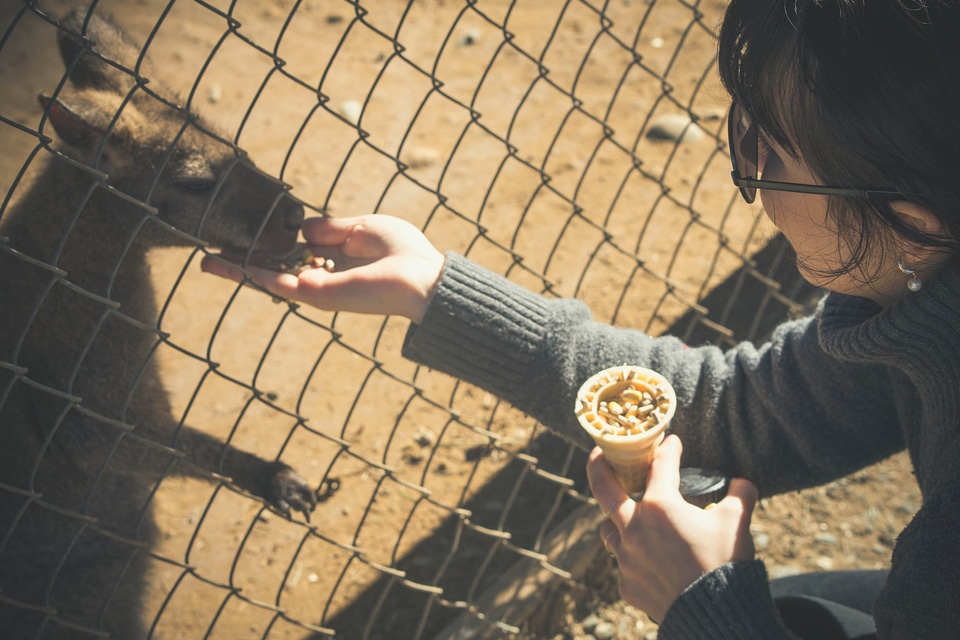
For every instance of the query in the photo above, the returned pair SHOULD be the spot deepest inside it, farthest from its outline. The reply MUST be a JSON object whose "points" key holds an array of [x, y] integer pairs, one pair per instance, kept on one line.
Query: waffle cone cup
{"points": [[629, 439]]}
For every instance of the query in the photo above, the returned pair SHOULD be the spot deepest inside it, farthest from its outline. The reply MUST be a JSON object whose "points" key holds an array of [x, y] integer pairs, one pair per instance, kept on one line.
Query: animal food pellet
{"points": [[637, 407]]}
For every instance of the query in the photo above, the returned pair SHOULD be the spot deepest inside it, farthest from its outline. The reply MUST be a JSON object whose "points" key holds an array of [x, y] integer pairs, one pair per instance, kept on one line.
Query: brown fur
{"points": [[86, 431]]}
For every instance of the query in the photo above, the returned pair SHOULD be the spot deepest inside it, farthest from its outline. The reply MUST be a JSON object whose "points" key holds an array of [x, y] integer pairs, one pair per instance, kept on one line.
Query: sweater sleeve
{"points": [[732, 602], [768, 413]]}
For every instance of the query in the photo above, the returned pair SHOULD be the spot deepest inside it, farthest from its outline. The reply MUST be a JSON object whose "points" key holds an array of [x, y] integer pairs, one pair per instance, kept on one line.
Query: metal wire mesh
{"points": [[576, 147]]}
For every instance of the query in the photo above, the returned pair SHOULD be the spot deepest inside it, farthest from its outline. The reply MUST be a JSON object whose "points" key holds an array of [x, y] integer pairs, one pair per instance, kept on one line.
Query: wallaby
{"points": [[86, 431]]}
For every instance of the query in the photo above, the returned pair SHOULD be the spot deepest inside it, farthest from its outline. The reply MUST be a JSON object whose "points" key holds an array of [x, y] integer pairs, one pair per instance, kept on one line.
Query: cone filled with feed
{"points": [[626, 411]]}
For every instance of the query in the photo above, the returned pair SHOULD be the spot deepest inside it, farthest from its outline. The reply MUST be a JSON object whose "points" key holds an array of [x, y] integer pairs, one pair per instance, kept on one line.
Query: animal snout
{"points": [[281, 231], [291, 215]]}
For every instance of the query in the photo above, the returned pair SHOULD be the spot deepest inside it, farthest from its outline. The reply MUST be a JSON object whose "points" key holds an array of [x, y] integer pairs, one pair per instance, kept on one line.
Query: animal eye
{"points": [[198, 186]]}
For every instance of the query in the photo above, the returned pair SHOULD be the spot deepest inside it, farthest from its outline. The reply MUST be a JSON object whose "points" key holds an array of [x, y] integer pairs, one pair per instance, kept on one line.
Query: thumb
{"points": [[743, 495], [664, 476], [740, 501]]}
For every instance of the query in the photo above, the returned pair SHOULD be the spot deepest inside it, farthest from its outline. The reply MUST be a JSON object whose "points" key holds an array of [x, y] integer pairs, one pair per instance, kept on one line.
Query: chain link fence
{"points": [[577, 147]]}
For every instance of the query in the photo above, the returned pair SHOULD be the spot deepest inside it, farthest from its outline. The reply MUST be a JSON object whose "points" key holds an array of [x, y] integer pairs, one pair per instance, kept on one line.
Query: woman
{"points": [[844, 118]]}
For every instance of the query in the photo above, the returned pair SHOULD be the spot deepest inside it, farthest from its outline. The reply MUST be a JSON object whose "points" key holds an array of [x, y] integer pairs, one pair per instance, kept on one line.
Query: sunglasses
{"points": [[744, 139]]}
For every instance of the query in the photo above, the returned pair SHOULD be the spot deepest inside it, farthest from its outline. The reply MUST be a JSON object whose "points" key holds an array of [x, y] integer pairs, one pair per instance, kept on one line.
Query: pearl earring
{"points": [[913, 284]]}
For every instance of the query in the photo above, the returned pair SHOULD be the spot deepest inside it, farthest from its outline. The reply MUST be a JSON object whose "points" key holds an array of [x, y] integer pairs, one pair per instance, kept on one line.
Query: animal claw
{"points": [[291, 493]]}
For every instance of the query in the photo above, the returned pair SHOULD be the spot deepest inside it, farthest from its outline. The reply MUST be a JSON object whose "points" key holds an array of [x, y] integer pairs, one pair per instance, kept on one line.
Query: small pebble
{"points": [[907, 507], [674, 126], [604, 631], [470, 37], [425, 437], [590, 623], [419, 157], [826, 538], [713, 114], [351, 110]]}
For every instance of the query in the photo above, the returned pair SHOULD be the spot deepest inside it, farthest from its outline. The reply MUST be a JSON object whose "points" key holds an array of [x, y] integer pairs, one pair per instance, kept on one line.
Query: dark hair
{"points": [[867, 92]]}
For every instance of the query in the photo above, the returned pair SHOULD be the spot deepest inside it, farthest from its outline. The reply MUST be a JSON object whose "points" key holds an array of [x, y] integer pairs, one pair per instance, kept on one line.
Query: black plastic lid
{"points": [[702, 487]]}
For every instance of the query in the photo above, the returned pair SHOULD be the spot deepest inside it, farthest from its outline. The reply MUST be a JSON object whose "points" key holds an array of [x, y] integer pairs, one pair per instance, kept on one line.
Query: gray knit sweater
{"points": [[827, 395]]}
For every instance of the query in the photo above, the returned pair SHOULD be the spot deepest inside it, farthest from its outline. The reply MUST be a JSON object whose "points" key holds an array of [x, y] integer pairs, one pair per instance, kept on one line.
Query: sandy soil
{"points": [[428, 487]]}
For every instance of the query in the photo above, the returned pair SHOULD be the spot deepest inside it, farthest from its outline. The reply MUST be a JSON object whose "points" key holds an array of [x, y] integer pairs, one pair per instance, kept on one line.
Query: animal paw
{"points": [[289, 492]]}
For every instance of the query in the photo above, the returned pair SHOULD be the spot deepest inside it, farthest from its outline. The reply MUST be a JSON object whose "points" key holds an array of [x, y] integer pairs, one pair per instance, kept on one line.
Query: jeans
{"points": [[833, 605]]}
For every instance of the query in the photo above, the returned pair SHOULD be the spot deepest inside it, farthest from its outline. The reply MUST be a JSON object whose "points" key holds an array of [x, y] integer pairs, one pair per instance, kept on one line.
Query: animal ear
{"points": [[82, 124], [74, 127], [82, 36]]}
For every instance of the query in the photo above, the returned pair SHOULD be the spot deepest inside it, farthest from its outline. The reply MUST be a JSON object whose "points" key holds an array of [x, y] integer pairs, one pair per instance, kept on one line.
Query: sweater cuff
{"points": [[732, 602], [479, 327]]}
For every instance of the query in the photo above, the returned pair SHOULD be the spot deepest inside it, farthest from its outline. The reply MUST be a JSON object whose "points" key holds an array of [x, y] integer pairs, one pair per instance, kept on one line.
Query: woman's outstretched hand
{"points": [[662, 543], [383, 265]]}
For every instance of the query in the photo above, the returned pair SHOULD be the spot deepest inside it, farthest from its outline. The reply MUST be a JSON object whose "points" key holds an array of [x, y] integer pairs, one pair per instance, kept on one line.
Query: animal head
{"points": [[158, 153]]}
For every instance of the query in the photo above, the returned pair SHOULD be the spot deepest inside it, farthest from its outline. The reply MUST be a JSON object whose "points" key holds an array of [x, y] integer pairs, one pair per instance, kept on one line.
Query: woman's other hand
{"points": [[663, 543], [382, 265]]}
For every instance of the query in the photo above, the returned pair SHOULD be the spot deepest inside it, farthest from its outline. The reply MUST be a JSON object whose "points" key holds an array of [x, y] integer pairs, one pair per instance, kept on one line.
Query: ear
{"points": [[72, 127], [925, 221], [83, 125], [84, 34], [917, 217]]}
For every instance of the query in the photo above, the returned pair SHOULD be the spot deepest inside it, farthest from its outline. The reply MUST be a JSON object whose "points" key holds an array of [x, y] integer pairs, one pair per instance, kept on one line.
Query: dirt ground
{"points": [[420, 477]]}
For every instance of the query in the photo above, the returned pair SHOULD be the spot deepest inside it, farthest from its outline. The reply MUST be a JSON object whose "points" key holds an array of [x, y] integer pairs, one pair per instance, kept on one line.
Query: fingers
{"points": [[279, 284], [743, 492], [384, 265], [736, 510], [663, 481], [605, 487], [664, 478], [328, 238], [365, 237], [228, 267], [220, 267], [610, 536], [740, 501], [328, 231], [360, 237]]}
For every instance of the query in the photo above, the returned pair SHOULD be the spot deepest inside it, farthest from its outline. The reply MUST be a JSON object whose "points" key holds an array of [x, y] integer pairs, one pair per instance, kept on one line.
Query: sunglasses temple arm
{"points": [[792, 187]]}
